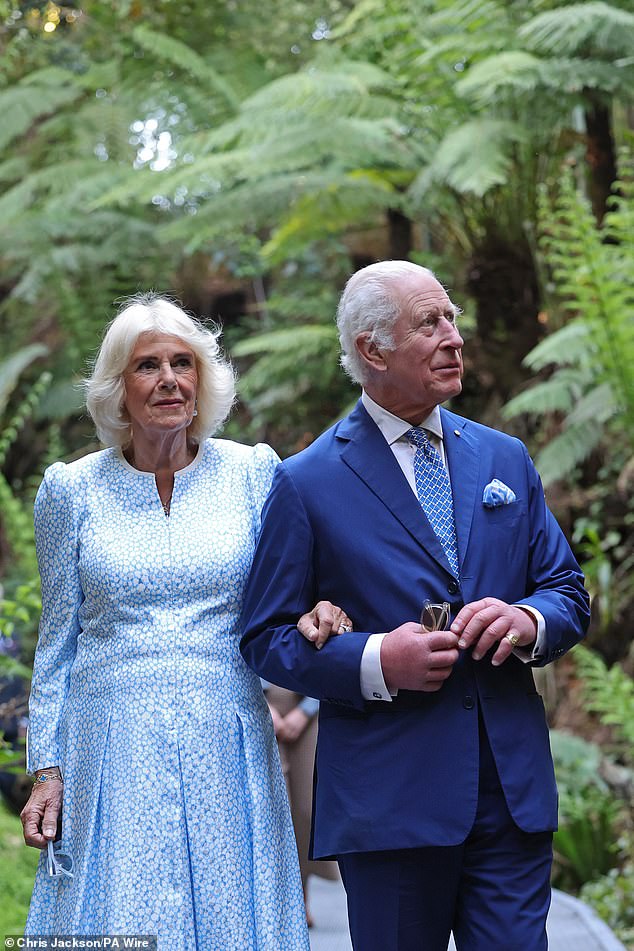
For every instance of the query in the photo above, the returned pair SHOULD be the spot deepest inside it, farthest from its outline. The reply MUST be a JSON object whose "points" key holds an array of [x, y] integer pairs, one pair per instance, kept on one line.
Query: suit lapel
{"points": [[365, 451], [463, 461]]}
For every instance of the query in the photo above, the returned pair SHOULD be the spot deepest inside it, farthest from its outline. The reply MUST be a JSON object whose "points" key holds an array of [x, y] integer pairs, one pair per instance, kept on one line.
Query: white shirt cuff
{"points": [[371, 675], [528, 654]]}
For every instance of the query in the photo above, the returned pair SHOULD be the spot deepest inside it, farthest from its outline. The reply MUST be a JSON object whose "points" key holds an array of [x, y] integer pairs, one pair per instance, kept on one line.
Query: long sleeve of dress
{"points": [[58, 561]]}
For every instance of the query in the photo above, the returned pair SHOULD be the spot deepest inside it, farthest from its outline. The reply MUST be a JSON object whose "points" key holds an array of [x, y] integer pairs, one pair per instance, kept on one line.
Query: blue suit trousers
{"points": [[492, 891]]}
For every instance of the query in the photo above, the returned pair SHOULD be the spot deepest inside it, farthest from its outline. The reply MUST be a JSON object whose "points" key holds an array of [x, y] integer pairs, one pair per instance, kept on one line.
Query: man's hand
{"points": [[414, 660], [325, 619], [482, 624]]}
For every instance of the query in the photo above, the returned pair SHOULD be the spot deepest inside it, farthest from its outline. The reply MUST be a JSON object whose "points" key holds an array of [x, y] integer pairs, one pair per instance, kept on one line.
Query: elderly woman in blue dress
{"points": [[149, 736]]}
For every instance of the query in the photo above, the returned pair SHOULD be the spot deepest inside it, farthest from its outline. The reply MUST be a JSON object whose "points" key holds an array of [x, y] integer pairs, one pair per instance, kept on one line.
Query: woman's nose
{"points": [[166, 375]]}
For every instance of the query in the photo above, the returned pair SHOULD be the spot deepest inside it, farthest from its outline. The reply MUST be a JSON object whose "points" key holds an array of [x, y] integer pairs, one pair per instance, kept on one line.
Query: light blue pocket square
{"points": [[496, 493]]}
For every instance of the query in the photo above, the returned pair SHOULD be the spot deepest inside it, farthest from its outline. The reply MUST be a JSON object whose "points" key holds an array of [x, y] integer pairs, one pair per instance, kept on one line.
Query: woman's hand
{"points": [[39, 816], [324, 619], [277, 719], [293, 725]]}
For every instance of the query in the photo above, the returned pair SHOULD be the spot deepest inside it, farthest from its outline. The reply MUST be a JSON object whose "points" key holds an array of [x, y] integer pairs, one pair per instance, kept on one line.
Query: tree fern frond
{"points": [[353, 201], [253, 204], [598, 405], [473, 158], [13, 366], [470, 14], [36, 96], [299, 339], [363, 10], [554, 395], [558, 459], [184, 57], [320, 90], [13, 169], [514, 70], [62, 400], [568, 345], [574, 76], [581, 27]]}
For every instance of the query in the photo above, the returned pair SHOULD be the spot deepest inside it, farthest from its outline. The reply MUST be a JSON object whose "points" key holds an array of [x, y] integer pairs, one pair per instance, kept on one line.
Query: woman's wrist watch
{"points": [[45, 775]]}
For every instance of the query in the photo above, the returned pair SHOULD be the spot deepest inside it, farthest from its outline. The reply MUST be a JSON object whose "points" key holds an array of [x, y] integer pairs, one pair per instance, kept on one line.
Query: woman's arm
{"points": [[62, 596]]}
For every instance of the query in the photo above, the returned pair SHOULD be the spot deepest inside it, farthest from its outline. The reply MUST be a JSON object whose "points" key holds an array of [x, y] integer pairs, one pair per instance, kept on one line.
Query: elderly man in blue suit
{"points": [[434, 783]]}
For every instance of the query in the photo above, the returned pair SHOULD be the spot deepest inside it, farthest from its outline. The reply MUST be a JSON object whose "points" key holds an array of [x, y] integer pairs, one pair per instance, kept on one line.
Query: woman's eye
{"points": [[184, 362], [147, 365]]}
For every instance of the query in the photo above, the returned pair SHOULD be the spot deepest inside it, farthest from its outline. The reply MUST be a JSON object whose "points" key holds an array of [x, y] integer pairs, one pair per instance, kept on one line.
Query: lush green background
{"points": [[246, 157]]}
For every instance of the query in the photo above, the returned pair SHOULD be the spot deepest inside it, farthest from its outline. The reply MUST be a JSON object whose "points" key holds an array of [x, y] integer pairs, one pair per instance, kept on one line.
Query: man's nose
{"points": [[453, 338]]}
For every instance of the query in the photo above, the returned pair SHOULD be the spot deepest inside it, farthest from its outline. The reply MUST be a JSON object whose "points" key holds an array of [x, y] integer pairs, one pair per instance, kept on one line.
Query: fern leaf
{"points": [[281, 341], [555, 395], [558, 459], [184, 57], [581, 27], [37, 95], [473, 158], [348, 85], [567, 345], [515, 70], [598, 405], [13, 366]]}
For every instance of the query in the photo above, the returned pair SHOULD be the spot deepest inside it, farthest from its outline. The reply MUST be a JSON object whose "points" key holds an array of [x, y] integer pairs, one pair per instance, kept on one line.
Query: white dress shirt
{"points": [[395, 430]]}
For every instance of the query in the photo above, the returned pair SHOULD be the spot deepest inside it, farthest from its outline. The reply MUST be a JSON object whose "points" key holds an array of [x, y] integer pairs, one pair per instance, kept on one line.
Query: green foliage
{"points": [[17, 872], [610, 693], [602, 28], [290, 381], [608, 561], [584, 844], [19, 616], [612, 896], [592, 382]]}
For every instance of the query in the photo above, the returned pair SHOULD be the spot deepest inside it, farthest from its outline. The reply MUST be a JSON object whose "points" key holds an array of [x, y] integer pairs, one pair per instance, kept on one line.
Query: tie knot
{"points": [[418, 437]]}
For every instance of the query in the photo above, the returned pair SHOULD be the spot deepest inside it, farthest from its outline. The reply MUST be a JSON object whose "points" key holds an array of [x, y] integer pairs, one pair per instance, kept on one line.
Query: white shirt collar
{"points": [[394, 428]]}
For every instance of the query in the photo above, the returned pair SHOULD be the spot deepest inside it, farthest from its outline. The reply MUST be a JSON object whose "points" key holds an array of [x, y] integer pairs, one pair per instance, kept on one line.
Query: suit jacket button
{"points": [[468, 702], [452, 587]]}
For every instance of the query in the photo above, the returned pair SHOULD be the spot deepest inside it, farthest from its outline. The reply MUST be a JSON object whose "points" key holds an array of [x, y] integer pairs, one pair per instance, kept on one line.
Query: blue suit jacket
{"points": [[342, 523]]}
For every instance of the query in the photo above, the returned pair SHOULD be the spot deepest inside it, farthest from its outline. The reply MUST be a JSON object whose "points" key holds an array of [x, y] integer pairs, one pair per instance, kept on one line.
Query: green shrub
{"points": [[584, 846]]}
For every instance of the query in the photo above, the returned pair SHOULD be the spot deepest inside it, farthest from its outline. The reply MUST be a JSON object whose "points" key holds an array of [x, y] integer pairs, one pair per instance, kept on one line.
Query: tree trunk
{"points": [[503, 282], [400, 235], [600, 154]]}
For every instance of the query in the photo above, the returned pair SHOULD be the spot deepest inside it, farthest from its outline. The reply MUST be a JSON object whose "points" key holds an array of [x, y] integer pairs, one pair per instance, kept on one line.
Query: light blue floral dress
{"points": [[175, 810]]}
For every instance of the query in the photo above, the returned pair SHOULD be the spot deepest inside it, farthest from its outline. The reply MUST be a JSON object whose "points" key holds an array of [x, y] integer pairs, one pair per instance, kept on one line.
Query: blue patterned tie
{"points": [[434, 493]]}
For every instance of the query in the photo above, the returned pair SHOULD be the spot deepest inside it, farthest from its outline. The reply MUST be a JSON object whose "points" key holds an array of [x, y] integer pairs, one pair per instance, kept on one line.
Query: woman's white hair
{"points": [[371, 303], [105, 388]]}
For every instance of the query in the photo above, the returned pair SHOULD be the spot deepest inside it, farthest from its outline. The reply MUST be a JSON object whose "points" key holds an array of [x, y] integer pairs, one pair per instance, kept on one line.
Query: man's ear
{"points": [[369, 352]]}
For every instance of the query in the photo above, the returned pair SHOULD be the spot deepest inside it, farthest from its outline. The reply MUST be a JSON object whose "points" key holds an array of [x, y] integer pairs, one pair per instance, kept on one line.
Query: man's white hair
{"points": [[371, 303]]}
